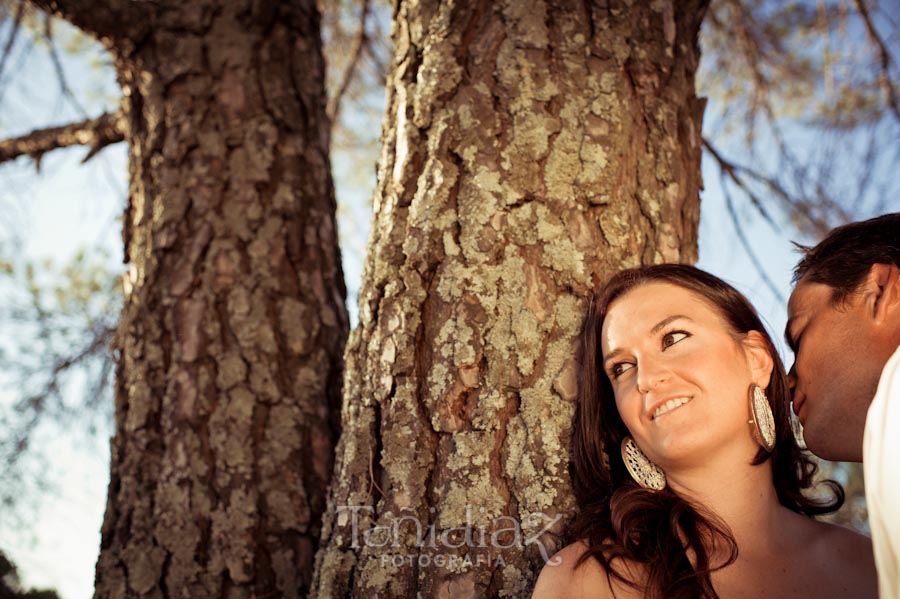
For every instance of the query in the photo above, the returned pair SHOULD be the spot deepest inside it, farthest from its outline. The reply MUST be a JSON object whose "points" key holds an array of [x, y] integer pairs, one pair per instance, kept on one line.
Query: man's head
{"points": [[843, 325]]}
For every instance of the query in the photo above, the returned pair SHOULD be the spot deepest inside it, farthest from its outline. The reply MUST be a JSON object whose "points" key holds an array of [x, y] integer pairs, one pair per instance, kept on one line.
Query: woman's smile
{"points": [[668, 406]]}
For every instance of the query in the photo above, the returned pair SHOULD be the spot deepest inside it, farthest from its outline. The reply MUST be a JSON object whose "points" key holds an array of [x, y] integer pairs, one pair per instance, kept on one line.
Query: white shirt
{"points": [[881, 465]]}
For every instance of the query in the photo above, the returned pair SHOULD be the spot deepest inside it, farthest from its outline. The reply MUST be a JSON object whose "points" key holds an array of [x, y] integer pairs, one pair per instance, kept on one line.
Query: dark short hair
{"points": [[844, 257]]}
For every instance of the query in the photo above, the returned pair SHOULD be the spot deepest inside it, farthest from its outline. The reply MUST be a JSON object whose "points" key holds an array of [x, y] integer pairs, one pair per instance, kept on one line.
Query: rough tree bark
{"points": [[531, 149], [229, 347]]}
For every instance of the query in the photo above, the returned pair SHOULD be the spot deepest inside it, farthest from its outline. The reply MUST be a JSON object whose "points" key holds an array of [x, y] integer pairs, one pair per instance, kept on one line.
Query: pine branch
{"points": [[57, 66], [13, 32], [123, 20], [356, 49], [884, 79], [96, 133], [47, 404], [734, 173], [798, 206], [742, 237]]}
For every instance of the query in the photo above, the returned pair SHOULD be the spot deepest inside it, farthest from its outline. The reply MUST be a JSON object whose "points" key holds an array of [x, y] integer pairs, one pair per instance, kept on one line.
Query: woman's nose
{"points": [[650, 374]]}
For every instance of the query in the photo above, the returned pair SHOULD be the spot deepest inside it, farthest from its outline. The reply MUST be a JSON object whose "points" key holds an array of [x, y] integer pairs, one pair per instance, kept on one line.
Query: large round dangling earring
{"points": [[642, 470], [762, 422]]}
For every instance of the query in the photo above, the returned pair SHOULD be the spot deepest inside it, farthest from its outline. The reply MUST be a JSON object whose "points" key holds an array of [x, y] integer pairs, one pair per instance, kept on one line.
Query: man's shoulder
{"points": [[884, 401], [893, 363], [881, 443]]}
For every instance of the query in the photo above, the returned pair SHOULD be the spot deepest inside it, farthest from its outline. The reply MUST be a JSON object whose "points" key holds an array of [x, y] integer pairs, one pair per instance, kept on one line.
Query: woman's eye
{"points": [[620, 368], [674, 337]]}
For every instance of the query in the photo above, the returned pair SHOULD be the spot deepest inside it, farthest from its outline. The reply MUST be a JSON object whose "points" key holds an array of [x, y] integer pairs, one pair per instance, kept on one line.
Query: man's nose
{"points": [[792, 380]]}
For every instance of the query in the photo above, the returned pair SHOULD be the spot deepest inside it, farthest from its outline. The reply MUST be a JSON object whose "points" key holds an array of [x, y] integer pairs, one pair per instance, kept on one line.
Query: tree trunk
{"points": [[531, 149], [229, 346]]}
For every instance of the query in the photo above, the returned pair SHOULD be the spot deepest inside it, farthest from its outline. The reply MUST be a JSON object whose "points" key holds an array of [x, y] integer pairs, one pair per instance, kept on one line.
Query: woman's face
{"points": [[680, 375]]}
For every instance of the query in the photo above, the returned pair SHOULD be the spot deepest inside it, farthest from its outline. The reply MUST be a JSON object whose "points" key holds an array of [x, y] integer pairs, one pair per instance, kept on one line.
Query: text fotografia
{"points": [[441, 547], [440, 560]]}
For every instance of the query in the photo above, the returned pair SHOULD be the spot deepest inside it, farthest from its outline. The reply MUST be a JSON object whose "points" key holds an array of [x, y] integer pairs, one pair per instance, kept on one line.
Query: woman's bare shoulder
{"points": [[830, 537], [562, 577], [846, 545], [849, 555]]}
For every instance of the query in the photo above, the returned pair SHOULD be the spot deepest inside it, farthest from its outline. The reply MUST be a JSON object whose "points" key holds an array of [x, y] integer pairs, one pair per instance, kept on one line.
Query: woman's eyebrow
{"points": [[662, 323], [612, 354]]}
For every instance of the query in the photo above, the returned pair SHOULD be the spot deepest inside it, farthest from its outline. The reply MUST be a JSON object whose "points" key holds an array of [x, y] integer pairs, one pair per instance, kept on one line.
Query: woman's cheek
{"points": [[629, 406]]}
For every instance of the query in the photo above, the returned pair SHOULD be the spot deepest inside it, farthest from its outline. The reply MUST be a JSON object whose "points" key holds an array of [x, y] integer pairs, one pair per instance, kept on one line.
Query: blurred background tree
{"points": [[11, 588]]}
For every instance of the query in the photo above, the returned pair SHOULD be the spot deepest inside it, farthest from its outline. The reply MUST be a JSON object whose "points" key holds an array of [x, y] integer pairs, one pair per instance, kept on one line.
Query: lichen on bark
{"points": [[530, 150], [229, 345]]}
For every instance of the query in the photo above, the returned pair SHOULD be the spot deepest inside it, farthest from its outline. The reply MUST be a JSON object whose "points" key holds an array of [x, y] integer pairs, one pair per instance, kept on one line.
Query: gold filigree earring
{"points": [[642, 470], [762, 423]]}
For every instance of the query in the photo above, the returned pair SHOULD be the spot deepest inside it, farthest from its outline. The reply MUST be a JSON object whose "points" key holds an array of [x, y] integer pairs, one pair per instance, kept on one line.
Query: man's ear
{"points": [[883, 292], [760, 358]]}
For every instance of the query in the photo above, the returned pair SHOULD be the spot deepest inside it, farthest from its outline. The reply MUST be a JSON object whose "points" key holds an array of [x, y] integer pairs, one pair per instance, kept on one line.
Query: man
{"points": [[844, 328]]}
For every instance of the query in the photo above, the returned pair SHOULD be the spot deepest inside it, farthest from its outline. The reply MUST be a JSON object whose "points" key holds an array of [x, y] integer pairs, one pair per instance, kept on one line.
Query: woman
{"points": [[685, 469]]}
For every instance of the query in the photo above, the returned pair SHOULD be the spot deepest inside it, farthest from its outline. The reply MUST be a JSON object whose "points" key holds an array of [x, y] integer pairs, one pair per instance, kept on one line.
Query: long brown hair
{"points": [[660, 529]]}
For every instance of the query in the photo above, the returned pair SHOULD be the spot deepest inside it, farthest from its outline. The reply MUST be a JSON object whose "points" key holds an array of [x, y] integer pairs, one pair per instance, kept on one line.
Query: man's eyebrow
{"points": [[657, 328]]}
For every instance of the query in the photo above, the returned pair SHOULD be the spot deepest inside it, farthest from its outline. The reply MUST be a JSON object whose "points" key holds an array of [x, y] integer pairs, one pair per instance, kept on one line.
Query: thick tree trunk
{"points": [[531, 149], [229, 347]]}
